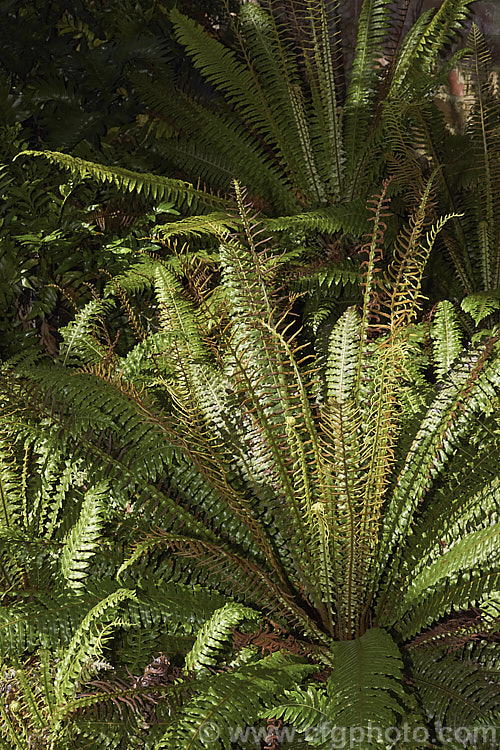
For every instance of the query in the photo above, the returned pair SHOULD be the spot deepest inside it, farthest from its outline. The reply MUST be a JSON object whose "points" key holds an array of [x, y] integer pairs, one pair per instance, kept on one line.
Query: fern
{"points": [[87, 643], [441, 676], [321, 500], [446, 336], [480, 305], [83, 538], [252, 689], [212, 635], [373, 697], [156, 187]]}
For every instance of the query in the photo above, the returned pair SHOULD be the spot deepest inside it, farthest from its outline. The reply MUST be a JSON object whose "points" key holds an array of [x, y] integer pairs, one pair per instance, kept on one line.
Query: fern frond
{"points": [[83, 538], [80, 343], [349, 218], [87, 642], [10, 486], [477, 551], [193, 151], [214, 224], [364, 77], [481, 305], [446, 337], [275, 64], [252, 689], [364, 689], [428, 36], [155, 187], [440, 429], [486, 142], [216, 632], [237, 81], [459, 689], [343, 353]]}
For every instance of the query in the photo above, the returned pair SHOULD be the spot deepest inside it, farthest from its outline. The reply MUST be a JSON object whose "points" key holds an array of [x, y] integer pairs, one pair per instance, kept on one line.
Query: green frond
{"points": [[376, 689], [138, 277], [321, 50], [459, 690], [481, 305], [440, 430], [215, 634], [364, 79], [363, 690], [343, 353], [169, 606], [154, 187], [80, 342], [446, 338], [426, 40], [476, 553], [83, 539], [407, 56], [10, 486], [349, 218], [310, 31], [47, 621], [483, 129], [193, 152], [237, 81], [214, 224], [250, 691], [87, 643], [464, 504], [275, 64]]}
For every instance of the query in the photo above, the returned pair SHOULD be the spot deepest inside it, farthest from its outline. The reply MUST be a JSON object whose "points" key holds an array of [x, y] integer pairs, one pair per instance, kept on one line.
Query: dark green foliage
{"points": [[210, 519]]}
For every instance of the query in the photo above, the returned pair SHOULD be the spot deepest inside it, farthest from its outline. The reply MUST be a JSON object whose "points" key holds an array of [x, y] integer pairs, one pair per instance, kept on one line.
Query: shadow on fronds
{"points": [[468, 183]]}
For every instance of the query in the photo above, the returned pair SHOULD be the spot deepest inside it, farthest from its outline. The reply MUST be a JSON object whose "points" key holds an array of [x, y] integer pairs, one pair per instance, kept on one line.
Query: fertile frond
{"points": [[411, 252]]}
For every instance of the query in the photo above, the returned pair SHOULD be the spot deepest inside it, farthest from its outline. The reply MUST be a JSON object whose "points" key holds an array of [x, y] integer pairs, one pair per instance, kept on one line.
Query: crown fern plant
{"points": [[223, 529]]}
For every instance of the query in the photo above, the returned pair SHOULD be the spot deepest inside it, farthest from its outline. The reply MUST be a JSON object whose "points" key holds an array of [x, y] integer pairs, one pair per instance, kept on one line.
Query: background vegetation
{"points": [[250, 293]]}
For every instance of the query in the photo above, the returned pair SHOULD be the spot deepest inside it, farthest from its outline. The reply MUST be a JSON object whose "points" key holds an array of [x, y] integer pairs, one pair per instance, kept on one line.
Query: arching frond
{"points": [[155, 187]]}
